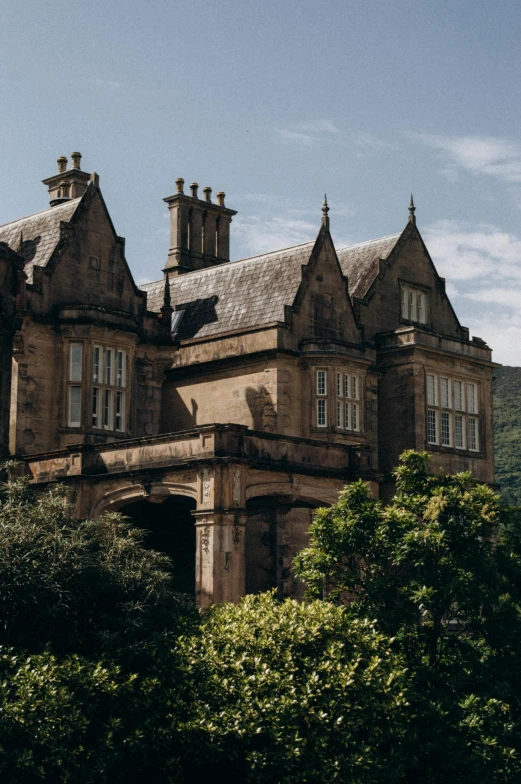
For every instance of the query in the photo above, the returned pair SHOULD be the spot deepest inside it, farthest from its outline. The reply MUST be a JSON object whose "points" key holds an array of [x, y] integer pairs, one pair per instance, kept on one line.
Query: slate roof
{"points": [[41, 233], [253, 292]]}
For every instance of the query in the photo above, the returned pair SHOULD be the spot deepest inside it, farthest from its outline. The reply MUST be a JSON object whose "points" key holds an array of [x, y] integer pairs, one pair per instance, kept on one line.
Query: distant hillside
{"points": [[507, 432]]}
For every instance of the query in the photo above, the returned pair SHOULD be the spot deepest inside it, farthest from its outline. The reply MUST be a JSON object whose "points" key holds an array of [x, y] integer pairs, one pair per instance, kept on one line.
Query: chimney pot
{"points": [[76, 158], [207, 193], [193, 188], [220, 198], [62, 164], [179, 183]]}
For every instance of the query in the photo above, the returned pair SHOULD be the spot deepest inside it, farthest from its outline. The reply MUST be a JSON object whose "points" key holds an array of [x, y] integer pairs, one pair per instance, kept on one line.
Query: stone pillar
{"points": [[220, 521]]}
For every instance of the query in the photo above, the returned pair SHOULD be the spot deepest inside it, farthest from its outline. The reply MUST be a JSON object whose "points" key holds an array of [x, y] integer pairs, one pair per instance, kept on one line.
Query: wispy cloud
{"points": [[483, 271], [308, 134], [490, 155], [260, 235]]}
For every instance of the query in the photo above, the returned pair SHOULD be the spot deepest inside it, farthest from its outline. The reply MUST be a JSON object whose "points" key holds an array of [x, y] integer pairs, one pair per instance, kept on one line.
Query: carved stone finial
{"points": [[325, 210], [167, 301], [412, 210]]}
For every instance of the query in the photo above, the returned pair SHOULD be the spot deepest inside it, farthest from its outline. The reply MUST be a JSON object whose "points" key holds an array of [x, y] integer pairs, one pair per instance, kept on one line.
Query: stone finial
{"points": [[179, 185], [94, 179], [76, 159], [412, 210], [167, 300], [62, 164], [220, 198], [325, 210], [207, 193], [193, 188]]}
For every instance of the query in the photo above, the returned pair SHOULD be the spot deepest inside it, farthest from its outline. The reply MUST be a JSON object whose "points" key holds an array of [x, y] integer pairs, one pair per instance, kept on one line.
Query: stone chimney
{"points": [[68, 183], [199, 230]]}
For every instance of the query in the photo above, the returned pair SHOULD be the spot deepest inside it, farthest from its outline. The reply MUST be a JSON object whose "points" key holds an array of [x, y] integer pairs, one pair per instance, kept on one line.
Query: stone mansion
{"points": [[220, 405]]}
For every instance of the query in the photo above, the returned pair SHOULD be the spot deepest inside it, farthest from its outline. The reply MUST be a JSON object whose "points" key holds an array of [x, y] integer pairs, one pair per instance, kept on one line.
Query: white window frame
{"points": [[321, 397], [414, 304], [74, 386], [109, 385], [452, 404]]}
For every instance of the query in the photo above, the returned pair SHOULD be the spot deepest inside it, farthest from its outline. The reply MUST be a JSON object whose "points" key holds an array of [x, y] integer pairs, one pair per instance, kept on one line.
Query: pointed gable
{"points": [[40, 233]]}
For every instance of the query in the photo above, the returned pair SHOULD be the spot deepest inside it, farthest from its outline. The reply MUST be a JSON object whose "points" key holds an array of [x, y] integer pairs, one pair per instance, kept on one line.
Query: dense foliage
{"points": [[439, 570], [87, 587], [294, 692], [507, 432], [402, 665]]}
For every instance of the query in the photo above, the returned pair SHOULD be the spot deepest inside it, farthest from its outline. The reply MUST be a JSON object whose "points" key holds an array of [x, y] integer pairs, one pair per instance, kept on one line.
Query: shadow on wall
{"points": [[262, 409]]}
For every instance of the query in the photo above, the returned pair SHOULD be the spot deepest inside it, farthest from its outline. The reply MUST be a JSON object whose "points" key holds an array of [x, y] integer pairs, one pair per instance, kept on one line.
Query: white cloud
{"points": [[465, 252], [260, 235], [500, 158], [482, 265]]}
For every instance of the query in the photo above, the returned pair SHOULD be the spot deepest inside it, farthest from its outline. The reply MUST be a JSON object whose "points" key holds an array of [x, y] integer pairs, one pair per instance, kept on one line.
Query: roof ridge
{"points": [[368, 242], [40, 212]]}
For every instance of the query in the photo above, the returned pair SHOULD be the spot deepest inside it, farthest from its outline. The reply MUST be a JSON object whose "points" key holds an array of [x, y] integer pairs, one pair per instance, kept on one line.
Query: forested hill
{"points": [[507, 431]]}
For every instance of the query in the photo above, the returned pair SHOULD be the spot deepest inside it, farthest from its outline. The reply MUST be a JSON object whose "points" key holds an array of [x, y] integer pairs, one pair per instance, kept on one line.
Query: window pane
{"points": [[431, 390], [472, 433], [339, 385], [356, 387], [348, 416], [321, 413], [421, 308], [321, 382], [96, 368], [121, 380], [74, 406], [458, 431], [347, 386], [96, 407], [458, 396], [431, 427], [108, 410], [356, 416], [120, 411], [445, 429], [412, 306], [340, 413], [75, 367], [444, 390], [405, 311], [471, 399], [108, 366]]}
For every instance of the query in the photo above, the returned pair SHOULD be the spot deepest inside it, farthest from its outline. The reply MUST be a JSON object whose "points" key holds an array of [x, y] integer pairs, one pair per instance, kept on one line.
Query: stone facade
{"points": [[219, 406]]}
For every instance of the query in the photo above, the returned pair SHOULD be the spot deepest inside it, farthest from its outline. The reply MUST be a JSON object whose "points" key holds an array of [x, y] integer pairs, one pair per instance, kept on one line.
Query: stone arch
{"points": [[276, 530], [170, 528], [114, 499]]}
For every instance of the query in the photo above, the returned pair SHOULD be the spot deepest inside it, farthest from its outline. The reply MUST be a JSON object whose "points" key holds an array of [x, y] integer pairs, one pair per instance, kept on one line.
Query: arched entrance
{"points": [[276, 530], [171, 530]]}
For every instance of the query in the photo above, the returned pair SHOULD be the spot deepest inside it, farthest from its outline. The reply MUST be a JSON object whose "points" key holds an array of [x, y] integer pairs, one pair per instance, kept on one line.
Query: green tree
{"points": [[289, 692], [81, 586], [439, 570], [75, 720]]}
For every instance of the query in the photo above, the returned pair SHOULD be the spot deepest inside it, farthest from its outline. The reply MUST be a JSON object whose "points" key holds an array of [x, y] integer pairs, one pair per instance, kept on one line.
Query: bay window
{"points": [[345, 410], [452, 412]]}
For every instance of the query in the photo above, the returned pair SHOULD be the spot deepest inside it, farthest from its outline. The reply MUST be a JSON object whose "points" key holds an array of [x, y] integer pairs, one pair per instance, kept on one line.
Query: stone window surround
{"points": [[331, 398], [442, 413], [407, 288], [87, 384]]}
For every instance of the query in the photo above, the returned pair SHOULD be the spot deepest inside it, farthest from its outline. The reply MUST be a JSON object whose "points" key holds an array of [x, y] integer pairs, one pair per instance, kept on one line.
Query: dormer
{"points": [[199, 230], [68, 183]]}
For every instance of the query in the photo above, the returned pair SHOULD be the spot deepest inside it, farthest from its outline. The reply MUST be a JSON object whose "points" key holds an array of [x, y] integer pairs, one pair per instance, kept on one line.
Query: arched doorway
{"points": [[276, 530], [171, 530]]}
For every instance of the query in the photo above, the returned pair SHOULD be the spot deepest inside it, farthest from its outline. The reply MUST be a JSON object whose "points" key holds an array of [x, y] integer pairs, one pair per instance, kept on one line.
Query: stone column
{"points": [[220, 521]]}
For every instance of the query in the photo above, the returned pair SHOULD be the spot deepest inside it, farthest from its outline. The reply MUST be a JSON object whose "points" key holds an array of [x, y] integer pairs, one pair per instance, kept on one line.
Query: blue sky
{"points": [[276, 103]]}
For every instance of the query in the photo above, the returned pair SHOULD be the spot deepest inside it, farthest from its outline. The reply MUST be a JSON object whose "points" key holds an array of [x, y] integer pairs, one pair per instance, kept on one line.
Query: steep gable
{"points": [[408, 265], [39, 234]]}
